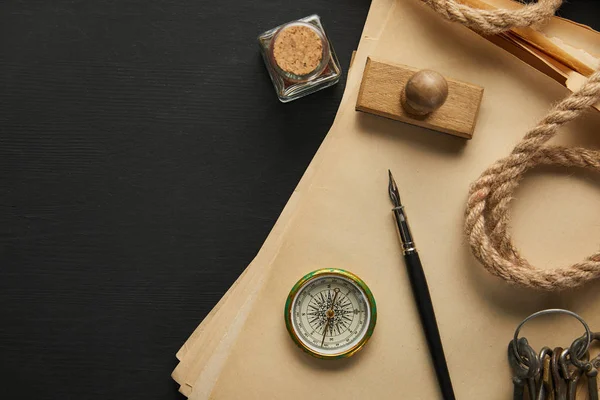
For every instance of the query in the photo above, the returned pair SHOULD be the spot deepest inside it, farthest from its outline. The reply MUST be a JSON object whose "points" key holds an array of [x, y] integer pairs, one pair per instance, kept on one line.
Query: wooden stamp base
{"points": [[382, 88]]}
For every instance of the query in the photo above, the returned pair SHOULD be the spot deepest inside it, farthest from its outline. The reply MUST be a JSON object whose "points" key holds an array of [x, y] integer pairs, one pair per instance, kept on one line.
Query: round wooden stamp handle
{"points": [[424, 92]]}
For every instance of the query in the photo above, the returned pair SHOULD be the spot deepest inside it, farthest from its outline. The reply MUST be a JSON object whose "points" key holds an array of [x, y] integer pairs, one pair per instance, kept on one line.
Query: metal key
{"points": [[596, 362], [534, 366], [560, 386], [591, 371], [570, 373], [523, 374], [531, 384], [545, 387], [519, 374], [580, 351], [592, 375]]}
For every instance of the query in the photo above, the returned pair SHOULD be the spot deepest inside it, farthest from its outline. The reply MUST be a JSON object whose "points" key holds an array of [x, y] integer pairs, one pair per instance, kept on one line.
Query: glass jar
{"points": [[299, 58]]}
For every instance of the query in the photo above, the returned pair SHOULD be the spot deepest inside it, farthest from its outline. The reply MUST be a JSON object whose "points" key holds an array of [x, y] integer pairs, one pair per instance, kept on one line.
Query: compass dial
{"points": [[330, 313]]}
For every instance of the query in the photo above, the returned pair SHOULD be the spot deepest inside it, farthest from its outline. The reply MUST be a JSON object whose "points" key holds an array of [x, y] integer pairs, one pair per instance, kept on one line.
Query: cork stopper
{"points": [[298, 50]]}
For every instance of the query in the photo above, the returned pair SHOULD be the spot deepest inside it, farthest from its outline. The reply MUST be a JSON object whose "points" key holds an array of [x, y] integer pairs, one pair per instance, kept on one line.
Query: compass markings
{"points": [[339, 330]]}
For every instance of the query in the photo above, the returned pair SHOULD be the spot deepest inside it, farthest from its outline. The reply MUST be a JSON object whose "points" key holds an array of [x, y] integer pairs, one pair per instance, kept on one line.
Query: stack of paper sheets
{"points": [[339, 216]]}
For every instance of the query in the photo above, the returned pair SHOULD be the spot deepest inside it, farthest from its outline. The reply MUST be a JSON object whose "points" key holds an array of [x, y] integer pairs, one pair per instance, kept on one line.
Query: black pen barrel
{"points": [[423, 299]]}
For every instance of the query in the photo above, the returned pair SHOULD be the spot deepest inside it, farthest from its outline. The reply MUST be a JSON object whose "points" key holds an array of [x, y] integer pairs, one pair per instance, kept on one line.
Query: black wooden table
{"points": [[144, 157]]}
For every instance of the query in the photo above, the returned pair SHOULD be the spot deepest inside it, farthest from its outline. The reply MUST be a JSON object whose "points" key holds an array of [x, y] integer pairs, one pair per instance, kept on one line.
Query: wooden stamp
{"points": [[424, 98]]}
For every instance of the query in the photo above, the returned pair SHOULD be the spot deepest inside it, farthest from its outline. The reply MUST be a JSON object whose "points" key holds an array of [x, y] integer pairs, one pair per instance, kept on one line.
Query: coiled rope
{"points": [[487, 216]]}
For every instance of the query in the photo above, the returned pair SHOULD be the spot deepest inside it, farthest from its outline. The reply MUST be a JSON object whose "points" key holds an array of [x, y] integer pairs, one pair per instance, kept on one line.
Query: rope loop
{"points": [[487, 213]]}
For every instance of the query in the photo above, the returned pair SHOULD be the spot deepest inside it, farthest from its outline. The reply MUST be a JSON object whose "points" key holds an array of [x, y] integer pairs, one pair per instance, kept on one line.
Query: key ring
{"points": [[588, 332]]}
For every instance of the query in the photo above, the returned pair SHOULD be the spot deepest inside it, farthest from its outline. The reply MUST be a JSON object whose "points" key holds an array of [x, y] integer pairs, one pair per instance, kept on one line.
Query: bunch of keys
{"points": [[553, 373]]}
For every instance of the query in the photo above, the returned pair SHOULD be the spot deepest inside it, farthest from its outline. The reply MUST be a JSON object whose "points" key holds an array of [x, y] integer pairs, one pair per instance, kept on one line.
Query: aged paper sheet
{"points": [[203, 354], [343, 220]]}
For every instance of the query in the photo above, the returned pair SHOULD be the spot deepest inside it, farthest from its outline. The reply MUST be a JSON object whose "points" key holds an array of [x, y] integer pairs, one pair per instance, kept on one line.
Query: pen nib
{"points": [[393, 190]]}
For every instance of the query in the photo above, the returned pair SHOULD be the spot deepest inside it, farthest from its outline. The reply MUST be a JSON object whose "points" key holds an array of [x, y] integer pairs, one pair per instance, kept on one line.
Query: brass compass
{"points": [[330, 313]]}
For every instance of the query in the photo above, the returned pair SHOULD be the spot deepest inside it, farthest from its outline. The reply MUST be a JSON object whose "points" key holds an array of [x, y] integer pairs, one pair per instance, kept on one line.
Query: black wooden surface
{"points": [[144, 158]]}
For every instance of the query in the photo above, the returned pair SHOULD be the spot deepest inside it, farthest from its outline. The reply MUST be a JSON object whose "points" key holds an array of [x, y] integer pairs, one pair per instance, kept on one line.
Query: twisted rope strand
{"points": [[487, 217], [496, 21]]}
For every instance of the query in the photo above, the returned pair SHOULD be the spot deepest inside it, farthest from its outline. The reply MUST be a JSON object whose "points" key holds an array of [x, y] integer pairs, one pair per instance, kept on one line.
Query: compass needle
{"points": [[325, 332]]}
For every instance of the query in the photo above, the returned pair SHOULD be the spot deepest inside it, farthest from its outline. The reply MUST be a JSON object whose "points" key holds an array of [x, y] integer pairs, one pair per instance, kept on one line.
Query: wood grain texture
{"points": [[381, 90]]}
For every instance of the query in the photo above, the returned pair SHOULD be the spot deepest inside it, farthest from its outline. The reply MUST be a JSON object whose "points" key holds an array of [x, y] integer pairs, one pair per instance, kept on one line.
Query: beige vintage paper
{"points": [[204, 352], [214, 332], [344, 221], [198, 351]]}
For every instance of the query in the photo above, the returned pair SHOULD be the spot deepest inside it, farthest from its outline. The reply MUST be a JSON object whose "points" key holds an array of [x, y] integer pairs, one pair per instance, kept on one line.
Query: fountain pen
{"points": [[421, 293]]}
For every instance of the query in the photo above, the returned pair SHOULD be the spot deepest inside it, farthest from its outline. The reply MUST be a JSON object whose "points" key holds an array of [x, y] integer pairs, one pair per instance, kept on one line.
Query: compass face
{"points": [[331, 313]]}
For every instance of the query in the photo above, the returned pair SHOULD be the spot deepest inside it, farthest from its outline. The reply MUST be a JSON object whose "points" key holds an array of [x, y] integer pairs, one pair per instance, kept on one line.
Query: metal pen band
{"points": [[408, 244]]}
